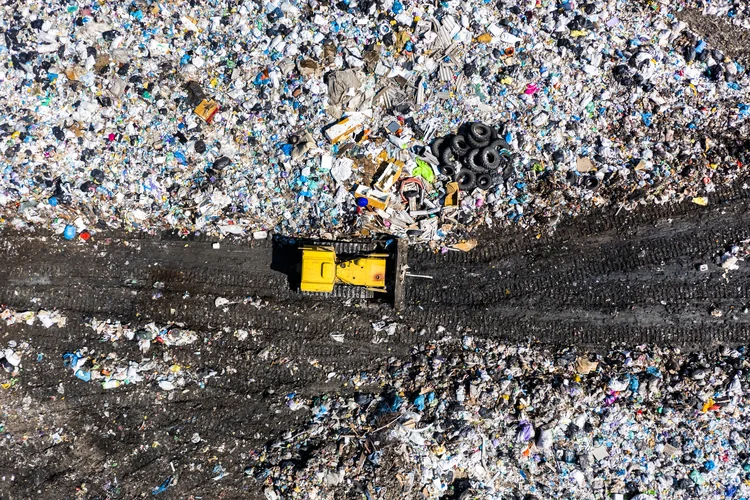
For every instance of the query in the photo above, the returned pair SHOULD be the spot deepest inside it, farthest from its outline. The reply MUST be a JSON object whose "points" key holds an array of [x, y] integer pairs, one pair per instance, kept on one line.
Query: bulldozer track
{"points": [[341, 292]]}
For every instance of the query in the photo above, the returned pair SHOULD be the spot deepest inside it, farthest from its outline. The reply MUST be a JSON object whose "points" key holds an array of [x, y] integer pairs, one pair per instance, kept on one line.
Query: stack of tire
{"points": [[472, 156]]}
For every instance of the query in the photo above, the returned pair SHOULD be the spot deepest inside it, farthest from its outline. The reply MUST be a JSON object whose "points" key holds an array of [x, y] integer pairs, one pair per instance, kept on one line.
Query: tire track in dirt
{"points": [[595, 281]]}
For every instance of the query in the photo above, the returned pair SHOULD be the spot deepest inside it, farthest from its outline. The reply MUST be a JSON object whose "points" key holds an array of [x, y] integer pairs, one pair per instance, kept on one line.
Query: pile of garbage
{"points": [[112, 370], [46, 318], [12, 356], [10, 361], [738, 13], [145, 335], [287, 116], [480, 419]]}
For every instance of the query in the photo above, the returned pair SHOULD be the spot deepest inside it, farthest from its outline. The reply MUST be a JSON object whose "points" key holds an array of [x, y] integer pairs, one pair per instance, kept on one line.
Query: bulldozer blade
{"points": [[400, 273]]}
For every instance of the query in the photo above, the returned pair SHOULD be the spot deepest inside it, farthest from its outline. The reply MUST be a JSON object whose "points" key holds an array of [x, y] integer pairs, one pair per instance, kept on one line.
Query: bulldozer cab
{"points": [[318, 269]]}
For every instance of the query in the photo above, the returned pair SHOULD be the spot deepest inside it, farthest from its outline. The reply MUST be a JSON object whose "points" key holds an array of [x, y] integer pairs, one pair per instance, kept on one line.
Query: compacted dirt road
{"points": [[627, 277]]}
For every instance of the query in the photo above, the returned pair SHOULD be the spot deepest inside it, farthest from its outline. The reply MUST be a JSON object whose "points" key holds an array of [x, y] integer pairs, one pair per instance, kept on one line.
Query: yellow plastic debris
{"points": [[206, 110], [465, 246], [451, 194], [484, 38], [700, 200]]}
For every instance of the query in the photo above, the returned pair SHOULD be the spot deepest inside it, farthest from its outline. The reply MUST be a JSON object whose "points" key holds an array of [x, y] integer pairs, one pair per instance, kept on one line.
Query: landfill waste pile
{"points": [[111, 371], [478, 419], [735, 12], [46, 318], [319, 118]]}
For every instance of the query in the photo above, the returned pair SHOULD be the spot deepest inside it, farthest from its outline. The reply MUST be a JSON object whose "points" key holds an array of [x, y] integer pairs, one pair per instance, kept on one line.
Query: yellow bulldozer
{"points": [[354, 269]]}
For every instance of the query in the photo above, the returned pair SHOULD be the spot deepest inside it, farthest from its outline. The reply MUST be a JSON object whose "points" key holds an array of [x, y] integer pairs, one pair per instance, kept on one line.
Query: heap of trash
{"points": [[464, 418], [317, 118], [112, 370]]}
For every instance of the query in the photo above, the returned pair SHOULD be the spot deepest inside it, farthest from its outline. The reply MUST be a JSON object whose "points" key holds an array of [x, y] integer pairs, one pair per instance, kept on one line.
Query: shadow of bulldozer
{"points": [[286, 258]]}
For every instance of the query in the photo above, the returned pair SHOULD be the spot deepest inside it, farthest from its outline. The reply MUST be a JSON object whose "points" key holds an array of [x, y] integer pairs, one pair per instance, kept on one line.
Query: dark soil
{"points": [[630, 278], [719, 33]]}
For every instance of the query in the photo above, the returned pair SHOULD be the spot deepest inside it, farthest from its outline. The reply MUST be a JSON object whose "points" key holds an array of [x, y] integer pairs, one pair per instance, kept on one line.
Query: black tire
{"points": [[467, 180], [473, 162], [489, 158], [476, 144], [459, 145], [448, 170], [484, 181], [437, 146], [446, 154], [499, 144], [479, 135]]}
